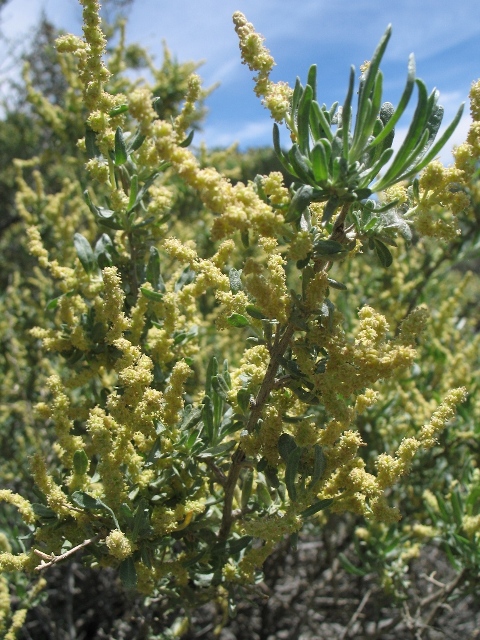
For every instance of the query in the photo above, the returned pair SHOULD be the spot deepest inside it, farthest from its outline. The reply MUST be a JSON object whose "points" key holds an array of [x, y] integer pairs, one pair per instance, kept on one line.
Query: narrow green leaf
{"points": [[286, 444], [303, 120], [457, 508], [347, 113], [323, 123], [327, 247], [220, 386], [237, 545], [319, 464], [319, 160], [263, 494], [254, 312], [300, 201], [300, 165], [330, 208], [247, 488], [366, 87], [218, 450], [383, 253], [280, 155], [243, 399], [80, 462], [85, 253], [272, 477], [238, 320], [128, 573], [312, 79], [91, 144], [156, 296], [135, 142], [120, 153], [291, 472], [207, 416], [188, 140], [118, 110], [348, 566], [316, 507], [336, 285], [153, 269], [436, 148], [404, 100], [133, 191], [414, 134], [143, 190]]}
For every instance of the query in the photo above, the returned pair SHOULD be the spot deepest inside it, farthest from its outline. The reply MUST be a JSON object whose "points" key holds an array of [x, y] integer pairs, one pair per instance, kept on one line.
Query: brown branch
{"points": [[53, 559], [278, 349]]}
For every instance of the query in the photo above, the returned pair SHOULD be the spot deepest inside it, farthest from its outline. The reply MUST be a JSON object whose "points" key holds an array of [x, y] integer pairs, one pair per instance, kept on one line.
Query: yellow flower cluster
{"points": [[118, 545], [276, 96]]}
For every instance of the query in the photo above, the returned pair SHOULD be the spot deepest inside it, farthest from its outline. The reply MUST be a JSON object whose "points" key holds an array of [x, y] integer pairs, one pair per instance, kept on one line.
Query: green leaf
{"points": [[85, 501], [322, 125], [188, 140], [247, 488], [80, 462], [128, 573], [286, 444], [366, 86], [135, 142], [336, 285], [218, 450], [254, 312], [272, 477], [143, 190], [156, 296], [291, 472], [238, 320], [316, 507], [118, 110], [319, 465], [220, 386], [191, 417], [141, 521], [120, 152], [303, 120], [44, 512], [348, 566], [238, 544], [153, 268], [404, 100], [312, 79], [346, 114], [319, 160], [300, 201], [85, 253], [53, 303], [301, 165], [327, 248], [383, 253], [263, 494], [207, 415], [243, 399], [91, 144], [330, 208]]}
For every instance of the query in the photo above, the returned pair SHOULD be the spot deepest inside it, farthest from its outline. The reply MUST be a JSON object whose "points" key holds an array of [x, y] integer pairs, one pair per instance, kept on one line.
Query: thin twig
{"points": [[53, 559], [357, 613]]}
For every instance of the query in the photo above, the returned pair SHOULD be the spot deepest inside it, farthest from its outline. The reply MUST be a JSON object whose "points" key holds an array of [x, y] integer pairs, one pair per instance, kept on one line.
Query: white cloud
{"points": [[249, 134]]}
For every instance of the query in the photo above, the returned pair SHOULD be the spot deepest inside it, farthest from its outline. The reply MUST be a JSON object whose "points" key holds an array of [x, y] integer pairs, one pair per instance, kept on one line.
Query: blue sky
{"points": [[444, 35]]}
